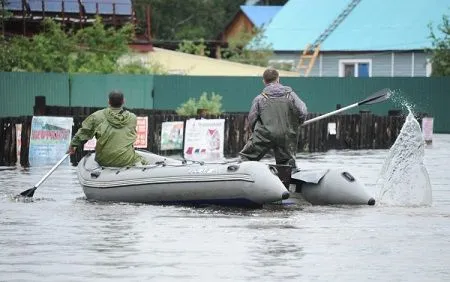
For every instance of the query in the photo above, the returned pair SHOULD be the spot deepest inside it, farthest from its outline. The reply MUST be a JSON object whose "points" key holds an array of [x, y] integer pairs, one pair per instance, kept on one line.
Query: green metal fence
{"points": [[237, 92], [17, 90], [92, 89], [425, 95]]}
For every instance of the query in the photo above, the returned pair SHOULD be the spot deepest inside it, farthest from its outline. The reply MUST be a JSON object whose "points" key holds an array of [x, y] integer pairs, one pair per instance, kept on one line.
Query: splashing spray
{"points": [[404, 179]]}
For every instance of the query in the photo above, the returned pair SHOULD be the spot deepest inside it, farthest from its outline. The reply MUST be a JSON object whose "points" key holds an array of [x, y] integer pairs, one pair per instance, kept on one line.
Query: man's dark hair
{"points": [[116, 99], [270, 75]]}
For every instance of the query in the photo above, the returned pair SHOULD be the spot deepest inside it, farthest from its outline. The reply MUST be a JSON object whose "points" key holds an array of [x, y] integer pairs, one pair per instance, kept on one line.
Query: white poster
{"points": [[141, 139], [50, 138], [331, 128], [142, 132], [172, 135], [18, 141], [204, 139], [427, 128]]}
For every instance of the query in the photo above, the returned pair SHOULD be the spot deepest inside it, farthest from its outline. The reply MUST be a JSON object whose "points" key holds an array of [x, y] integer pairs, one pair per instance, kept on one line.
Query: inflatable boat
{"points": [[329, 187], [232, 183], [171, 181]]}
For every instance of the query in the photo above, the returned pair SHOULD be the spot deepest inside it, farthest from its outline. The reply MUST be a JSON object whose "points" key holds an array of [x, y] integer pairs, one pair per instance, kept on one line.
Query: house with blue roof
{"points": [[361, 38], [248, 18]]}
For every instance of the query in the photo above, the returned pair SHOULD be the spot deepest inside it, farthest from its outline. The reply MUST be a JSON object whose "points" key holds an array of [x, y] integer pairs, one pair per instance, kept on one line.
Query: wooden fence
{"points": [[354, 132]]}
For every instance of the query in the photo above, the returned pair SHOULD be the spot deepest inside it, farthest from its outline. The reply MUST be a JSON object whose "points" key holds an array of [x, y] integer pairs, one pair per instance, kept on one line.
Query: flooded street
{"points": [[59, 236]]}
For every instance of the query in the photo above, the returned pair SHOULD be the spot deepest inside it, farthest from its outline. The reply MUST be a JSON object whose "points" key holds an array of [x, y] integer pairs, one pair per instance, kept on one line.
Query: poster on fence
{"points": [[172, 135], [49, 140], [18, 140], [204, 139], [141, 139], [427, 129], [142, 132]]}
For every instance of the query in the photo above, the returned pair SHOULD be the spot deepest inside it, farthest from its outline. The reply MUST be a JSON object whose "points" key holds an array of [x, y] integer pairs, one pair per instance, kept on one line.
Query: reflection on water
{"points": [[59, 236]]}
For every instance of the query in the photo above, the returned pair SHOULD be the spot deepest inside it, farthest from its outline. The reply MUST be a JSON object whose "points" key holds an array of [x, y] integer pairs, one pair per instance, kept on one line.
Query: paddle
{"points": [[376, 97], [30, 192]]}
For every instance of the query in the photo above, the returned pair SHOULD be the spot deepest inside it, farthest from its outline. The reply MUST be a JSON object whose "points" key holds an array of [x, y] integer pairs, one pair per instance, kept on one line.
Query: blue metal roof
{"points": [[123, 7], [15, 5], [260, 15], [105, 7], [388, 25], [300, 22], [372, 25]]}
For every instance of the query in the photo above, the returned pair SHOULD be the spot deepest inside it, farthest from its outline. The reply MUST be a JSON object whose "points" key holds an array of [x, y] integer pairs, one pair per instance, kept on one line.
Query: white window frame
{"points": [[343, 62]]}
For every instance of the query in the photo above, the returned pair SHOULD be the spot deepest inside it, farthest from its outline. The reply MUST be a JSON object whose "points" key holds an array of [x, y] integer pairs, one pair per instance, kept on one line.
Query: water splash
{"points": [[397, 98], [404, 179]]}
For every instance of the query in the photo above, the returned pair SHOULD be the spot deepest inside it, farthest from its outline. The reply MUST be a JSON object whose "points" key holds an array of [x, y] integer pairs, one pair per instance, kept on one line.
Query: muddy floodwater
{"points": [[59, 236]]}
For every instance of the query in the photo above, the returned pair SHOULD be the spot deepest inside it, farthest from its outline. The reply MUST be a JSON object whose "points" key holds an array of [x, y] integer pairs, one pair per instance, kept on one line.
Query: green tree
{"points": [[441, 48], [190, 47], [187, 19], [249, 48], [4, 15], [92, 49], [100, 47]]}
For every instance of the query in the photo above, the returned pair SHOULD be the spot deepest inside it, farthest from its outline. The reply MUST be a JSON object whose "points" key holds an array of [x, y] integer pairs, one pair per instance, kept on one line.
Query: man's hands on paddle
{"points": [[71, 150]]}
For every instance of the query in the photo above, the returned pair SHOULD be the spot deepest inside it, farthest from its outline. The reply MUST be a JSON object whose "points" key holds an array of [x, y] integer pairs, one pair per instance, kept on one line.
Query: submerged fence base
{"points": [[353, 132]]}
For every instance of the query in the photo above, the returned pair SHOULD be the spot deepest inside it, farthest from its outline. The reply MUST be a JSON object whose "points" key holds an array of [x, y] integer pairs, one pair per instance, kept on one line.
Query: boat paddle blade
{"points": [[28, 193], [377, 97]]}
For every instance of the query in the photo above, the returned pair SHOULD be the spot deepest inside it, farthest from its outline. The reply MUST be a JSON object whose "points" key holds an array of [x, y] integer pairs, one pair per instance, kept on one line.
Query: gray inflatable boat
{"points": [[171, 181], [233, 183], [329, 187]]}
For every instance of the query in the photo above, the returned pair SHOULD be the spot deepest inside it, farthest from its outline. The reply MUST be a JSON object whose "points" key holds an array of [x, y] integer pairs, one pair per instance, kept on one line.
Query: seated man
{"points": [[115, 131]]}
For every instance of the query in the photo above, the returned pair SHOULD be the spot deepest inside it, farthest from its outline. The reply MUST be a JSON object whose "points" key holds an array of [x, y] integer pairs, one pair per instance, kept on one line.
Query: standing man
{"points": [[274, 119], [115, 131]]}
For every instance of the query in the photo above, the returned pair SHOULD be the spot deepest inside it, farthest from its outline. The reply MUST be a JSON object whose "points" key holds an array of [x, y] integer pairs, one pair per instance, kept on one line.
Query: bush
{"points": [[188, 46], [441, 48], [212, 105]]}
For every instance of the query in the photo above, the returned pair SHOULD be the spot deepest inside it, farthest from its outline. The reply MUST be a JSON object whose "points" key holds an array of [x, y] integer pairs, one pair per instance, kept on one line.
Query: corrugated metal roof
{"points": [[300, 22], [122, 7], [387, 25], [372, 25], [260, 15]]}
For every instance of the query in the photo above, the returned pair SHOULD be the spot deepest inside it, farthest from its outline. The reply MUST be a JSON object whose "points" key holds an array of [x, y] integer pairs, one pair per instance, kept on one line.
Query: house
{"points": [[25, 16], [179, 63], [248, 18], [361, 38]]}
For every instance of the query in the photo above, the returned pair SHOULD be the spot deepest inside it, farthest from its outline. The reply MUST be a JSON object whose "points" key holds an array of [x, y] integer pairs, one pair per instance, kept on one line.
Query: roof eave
{"points": [[357, 51]]}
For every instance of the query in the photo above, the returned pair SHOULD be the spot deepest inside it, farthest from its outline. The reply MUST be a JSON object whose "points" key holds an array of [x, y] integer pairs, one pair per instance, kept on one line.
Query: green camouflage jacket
{"points": [[115, 131]]}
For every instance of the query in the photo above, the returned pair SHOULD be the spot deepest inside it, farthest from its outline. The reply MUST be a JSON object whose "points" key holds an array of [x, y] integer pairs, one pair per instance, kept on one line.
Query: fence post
{"points": [[39, 106]]}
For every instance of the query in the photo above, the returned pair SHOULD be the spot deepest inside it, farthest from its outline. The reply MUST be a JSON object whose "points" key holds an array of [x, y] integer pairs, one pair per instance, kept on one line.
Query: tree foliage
{"points": [[190, 47], [94, 49], [249, 47], [246, 47], [213, 105], [441, 48], [187, 19], [4, 14]]}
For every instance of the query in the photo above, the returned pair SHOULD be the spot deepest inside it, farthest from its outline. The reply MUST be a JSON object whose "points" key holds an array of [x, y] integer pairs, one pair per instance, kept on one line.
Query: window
{"points": [[355, 68]]}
